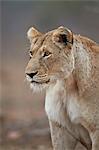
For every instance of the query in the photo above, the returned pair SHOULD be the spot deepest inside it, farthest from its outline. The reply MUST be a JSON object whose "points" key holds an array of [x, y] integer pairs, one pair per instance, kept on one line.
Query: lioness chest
{"points": [[59, 105]]}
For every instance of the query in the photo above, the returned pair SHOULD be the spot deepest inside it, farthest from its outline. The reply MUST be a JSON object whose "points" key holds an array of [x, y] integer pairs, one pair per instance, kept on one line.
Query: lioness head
{"points": [[51, 56]]}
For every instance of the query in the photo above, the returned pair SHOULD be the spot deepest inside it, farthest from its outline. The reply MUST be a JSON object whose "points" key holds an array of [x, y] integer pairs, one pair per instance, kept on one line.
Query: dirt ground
{"points": [[34, 136]]}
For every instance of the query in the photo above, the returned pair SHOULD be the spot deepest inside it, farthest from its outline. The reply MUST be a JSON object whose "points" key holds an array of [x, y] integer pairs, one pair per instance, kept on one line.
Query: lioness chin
{"points": [[67, 67]]}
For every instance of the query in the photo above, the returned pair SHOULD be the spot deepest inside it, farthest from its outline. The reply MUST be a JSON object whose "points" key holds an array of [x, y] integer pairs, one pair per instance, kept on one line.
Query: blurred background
{"points": [[23, 122]]}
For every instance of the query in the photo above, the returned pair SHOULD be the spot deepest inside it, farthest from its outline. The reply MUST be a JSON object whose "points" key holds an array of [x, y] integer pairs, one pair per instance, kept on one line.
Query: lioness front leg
{"points": [[95, 140], [61, 138]]}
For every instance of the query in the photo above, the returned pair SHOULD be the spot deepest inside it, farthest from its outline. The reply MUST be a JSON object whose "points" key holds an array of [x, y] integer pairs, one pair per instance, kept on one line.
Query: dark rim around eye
{"points": [[47, 53]]}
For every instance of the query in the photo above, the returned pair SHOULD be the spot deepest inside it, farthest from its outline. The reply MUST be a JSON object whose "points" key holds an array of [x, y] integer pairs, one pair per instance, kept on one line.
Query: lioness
{"points": [[67, 66]]}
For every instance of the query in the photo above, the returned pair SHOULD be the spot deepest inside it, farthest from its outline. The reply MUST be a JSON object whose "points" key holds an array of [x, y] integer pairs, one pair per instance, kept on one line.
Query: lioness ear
{"points": [[63, 35], [32, 33]]}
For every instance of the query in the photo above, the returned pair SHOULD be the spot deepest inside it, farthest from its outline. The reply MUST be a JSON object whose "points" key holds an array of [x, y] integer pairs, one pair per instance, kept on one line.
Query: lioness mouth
{"points": [[40, 82]]}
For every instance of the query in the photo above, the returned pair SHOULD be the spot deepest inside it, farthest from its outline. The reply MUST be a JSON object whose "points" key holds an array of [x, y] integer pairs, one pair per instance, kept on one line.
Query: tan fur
{"points": [[67, 67]]}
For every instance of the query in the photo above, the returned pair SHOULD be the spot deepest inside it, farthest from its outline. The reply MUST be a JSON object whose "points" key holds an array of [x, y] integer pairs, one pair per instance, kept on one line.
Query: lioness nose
{"points": [[32, 74]]}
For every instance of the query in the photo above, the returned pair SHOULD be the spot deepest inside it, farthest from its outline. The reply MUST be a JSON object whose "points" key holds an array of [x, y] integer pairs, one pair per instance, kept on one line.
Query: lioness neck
{"points": [[83, 63]]}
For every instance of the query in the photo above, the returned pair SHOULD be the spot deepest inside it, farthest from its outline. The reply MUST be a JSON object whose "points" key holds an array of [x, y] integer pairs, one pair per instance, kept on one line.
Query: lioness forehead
{"points": [[43, 39]]}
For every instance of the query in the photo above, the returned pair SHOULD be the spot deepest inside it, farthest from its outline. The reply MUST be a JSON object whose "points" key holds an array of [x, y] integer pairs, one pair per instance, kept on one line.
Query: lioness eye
{"points": [[46, 53]]}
